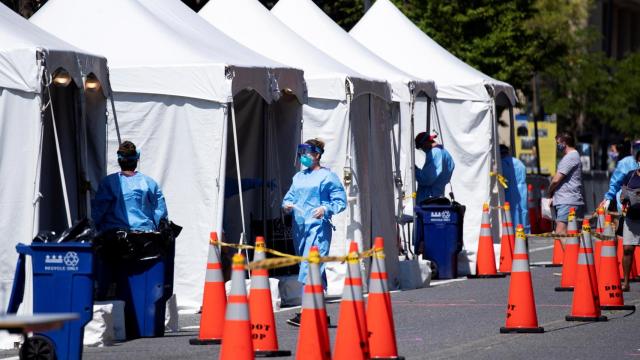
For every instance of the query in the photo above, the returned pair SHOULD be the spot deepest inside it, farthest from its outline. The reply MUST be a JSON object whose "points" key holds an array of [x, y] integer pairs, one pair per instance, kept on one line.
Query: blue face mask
{"points": [[306, 160], [561, 147]]}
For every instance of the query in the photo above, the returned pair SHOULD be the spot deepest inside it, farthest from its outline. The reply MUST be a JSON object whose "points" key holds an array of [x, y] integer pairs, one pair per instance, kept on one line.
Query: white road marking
{"points": [[442, 282], [541, 248], [193, 327]]}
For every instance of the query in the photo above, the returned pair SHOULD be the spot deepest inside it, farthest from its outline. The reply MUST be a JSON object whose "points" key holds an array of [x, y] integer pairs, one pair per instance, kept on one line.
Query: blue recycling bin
{"points": [[137, 268], [144, 285], [438, 229], [62, 283]]}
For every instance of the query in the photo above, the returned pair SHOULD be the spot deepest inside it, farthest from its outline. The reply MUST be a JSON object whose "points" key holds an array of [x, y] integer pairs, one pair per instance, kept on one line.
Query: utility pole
{"points": [[537, 108]]}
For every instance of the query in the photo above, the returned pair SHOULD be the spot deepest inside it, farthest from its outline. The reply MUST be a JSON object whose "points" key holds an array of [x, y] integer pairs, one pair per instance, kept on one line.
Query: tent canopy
{"points": [[20, 44], [388, 33], [251, 24], [306, 19], [166, 49]]}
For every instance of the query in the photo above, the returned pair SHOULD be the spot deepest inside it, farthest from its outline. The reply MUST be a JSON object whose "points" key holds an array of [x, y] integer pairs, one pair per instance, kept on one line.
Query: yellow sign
{"points": [[526, 144]]}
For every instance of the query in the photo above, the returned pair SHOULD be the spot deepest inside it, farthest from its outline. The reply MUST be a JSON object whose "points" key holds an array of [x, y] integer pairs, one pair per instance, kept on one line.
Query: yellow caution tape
{"points": [[553, 235], [501, 179], [285, 259]]}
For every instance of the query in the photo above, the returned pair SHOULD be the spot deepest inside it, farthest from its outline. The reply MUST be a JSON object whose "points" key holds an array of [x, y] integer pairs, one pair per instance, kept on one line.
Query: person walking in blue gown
{"points": [[316, 194]]}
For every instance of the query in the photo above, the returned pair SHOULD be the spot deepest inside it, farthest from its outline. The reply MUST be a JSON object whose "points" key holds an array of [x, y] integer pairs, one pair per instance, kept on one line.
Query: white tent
{"points": [[52, 135], [183, 91], [307, 20], [466, 105], [337, 94]]}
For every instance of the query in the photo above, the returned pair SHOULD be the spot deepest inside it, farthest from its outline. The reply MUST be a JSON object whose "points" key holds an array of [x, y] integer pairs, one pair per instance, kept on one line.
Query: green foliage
{"points": [[503, 39], [577, 90], [624, 98], [344, 12]]}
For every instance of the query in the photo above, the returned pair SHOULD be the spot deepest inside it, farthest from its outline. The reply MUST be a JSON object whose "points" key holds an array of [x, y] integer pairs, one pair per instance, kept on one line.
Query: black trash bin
{"points": [[438, 230]]}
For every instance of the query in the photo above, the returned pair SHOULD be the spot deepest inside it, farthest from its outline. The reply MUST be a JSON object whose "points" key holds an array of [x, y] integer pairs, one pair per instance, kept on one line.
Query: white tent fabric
{"points": [[251, 24], [19, 44], [30, 194], [160, 53], [307, 20], [466, 106], [174, 76], [389, 34], [337, 111]]}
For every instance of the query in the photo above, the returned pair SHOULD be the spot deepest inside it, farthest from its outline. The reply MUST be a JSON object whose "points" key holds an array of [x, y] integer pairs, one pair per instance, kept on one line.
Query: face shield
{"points": [[304, 149], [123, 157]]}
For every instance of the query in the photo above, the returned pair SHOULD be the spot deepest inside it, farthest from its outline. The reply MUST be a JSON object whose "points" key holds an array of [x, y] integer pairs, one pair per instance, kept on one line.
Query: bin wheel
{"points": [[37, 347], [434, 270]]}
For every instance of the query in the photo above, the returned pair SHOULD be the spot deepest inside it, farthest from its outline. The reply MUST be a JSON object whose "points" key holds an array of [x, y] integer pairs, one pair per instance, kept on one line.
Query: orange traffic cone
{"points": [[521, 309], [588, 245], [558, 254], [214, 299], [586, 304], [236, 343], [509, 221], [570, 261], [352, 338], [263, 325], [313, 339], [597, 242], [609, 289], [636, 265], [600, 226], [486, 258], [382, 338], [572, 224], [506, 248]]}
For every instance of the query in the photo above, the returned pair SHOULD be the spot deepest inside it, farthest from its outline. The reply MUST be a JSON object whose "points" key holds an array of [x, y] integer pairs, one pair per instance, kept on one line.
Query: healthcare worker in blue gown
{"points": [[128, 200], [623, 167], [316, 194], [437, 170], [515, 173]]}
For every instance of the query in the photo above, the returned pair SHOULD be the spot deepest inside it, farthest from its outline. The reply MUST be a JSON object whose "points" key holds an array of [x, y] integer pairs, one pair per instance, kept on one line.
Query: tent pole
{"points": [[429, 103], [497, 167], [265, 158], [512, 132], [222, 174], [412, 155], [63, 181], [115, 118], [243, 239], [36, 182], [84, 153]]}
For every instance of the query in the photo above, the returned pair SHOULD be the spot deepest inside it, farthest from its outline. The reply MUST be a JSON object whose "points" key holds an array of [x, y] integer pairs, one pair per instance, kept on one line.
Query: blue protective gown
{"points": [[309, 190], [128, 203], [615, 184], [515, 173], [435, 174]]}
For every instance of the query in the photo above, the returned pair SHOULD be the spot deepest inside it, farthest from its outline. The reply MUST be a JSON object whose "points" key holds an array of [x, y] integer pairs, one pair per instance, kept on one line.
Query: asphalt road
{"points": [[457, 319]]}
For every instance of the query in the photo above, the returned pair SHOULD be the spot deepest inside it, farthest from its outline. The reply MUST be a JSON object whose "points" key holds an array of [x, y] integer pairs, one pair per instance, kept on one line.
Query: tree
{"points": [[510, 40], [345, 13], [625, 96]]}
